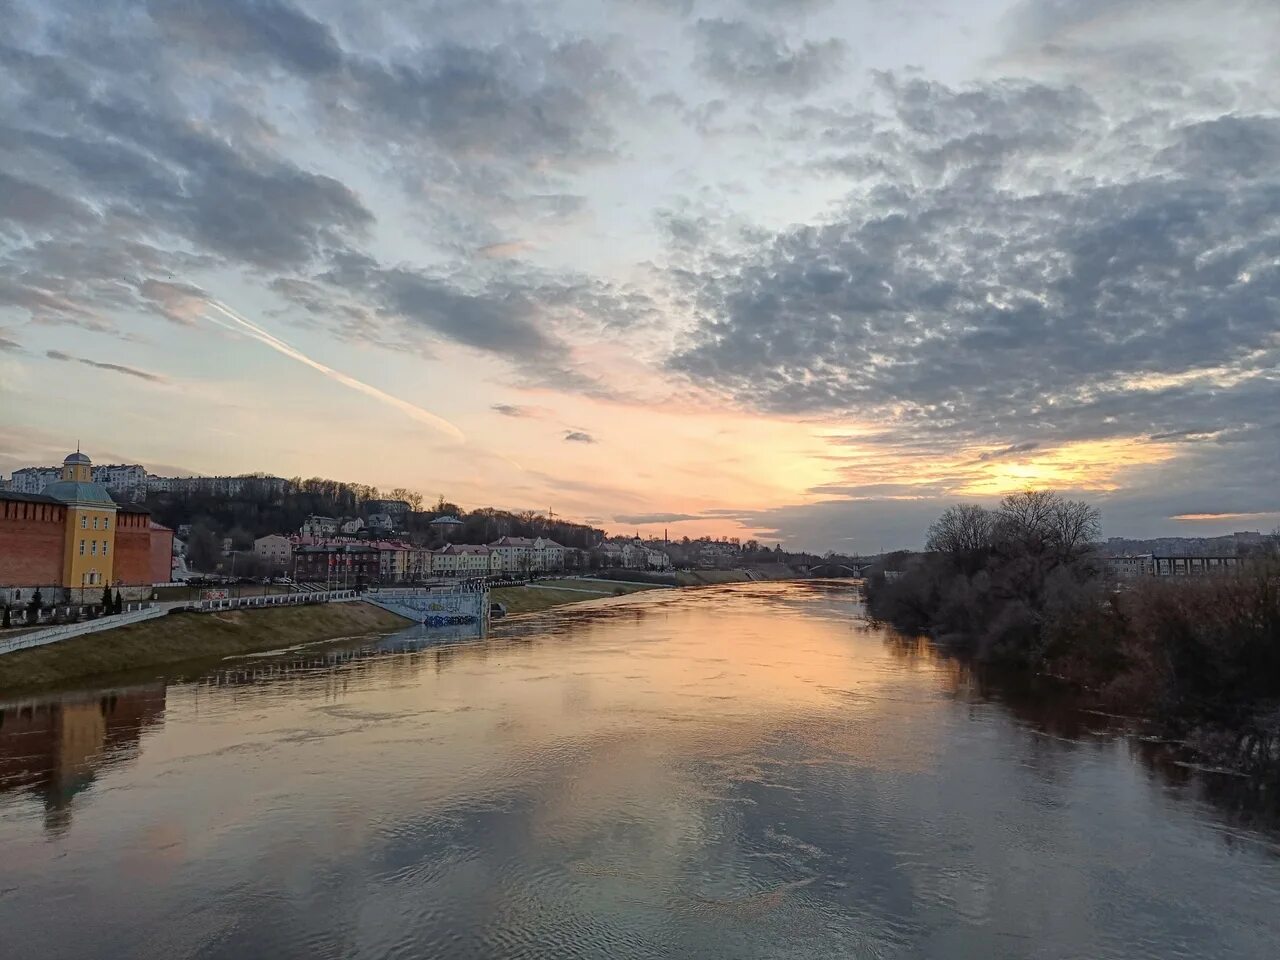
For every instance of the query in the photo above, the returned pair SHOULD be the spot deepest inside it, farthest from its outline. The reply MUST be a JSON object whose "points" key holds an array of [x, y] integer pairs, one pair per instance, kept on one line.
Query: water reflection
{"points": [[54, 749], [739, 772], [1245, 806]]}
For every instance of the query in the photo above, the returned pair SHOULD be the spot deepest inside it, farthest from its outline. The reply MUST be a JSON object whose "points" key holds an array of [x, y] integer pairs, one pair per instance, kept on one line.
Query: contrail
{"points": [[275, 343]]}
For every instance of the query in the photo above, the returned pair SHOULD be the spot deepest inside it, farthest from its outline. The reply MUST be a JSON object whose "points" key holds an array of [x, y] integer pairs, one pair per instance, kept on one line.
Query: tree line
{"points": [[263, 507], [1024, 584]]}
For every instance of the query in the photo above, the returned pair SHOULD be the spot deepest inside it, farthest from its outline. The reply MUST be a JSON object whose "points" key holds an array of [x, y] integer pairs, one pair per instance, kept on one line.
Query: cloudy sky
{"points": [[803, 269]]}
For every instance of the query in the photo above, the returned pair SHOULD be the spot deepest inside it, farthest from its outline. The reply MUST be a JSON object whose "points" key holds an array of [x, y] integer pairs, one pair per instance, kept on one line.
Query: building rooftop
{"points": [[440, 521], [27, 497], [77, 457], [77, 491], [337, 548]]}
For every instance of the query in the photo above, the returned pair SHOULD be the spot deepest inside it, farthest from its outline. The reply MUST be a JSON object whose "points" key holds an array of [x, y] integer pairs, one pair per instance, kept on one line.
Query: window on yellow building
{"points": [[104, 548], [84, 523], [82, 548], [93, 548], [95, 523], [106, 523]]}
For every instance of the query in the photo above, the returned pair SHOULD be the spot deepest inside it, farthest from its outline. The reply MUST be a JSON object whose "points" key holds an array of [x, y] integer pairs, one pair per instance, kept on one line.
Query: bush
{"points": [[1209, 647]]}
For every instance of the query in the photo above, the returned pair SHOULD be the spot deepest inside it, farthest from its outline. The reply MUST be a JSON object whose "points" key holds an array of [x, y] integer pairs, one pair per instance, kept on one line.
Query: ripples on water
{"points": [[748, 771]]}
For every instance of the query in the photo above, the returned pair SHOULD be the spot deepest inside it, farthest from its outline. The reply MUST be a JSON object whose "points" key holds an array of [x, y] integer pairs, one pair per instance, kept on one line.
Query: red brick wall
{"points": [[161, 554], [132, 564], [31, 537]]}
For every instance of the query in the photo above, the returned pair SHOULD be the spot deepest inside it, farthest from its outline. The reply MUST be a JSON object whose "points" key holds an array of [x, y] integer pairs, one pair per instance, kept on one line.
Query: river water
{"points": [[747, 771]]}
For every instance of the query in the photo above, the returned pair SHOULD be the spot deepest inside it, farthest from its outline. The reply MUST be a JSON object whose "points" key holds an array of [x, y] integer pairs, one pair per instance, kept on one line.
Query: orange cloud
{"points": [[1195, 517]]}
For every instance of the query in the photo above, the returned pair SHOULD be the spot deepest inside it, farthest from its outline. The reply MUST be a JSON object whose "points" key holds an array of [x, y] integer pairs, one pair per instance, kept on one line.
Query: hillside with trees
{"points": [[262, 508]]}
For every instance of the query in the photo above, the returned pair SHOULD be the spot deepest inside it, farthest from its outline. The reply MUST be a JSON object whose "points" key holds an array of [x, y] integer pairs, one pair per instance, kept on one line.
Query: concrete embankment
{"points": [[184, 637]]}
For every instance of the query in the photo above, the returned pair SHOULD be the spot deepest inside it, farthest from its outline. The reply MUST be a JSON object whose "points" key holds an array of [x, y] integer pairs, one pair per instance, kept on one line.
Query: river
{"points": [[745, 771]]}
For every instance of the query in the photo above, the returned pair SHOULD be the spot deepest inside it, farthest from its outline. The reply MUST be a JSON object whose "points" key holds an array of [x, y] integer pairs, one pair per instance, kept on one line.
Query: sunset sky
{"points": [[802, 270]]}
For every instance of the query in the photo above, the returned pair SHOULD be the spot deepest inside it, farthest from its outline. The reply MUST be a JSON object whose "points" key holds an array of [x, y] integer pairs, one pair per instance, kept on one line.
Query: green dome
{"points": [[75, 491]]}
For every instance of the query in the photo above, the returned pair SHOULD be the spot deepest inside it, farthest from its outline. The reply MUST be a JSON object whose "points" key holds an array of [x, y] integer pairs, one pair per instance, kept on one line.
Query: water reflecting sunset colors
{"points": [[749, 771]]}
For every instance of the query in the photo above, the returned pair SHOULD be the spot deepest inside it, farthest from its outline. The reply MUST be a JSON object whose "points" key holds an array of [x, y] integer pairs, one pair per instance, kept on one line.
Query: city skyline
{"points": [[804, 271]]}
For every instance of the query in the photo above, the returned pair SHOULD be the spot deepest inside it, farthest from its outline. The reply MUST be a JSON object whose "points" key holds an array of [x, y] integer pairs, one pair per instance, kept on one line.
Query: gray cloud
{"points": [[976, 308], [270, 31], [91, 120], [12, 346], [515, 411], [741, 55], [579, 436], [511, 105], [1010, 451], [1016, 259], [643, 519], [172, 175], [112, 367], [31, 205]]}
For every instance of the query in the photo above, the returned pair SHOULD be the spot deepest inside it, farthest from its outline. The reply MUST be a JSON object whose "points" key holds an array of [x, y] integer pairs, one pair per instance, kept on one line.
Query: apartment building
{"points": [[465, 560], [275, 550]]}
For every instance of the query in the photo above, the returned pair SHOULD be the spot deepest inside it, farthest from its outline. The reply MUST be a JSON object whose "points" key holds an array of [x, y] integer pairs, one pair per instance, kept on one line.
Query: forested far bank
{"points": [[1024, 585]]}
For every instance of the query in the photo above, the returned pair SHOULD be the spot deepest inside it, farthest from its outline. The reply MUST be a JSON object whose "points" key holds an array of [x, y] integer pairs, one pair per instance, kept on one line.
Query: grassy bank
{"points": [[519, 600], [189, 636]]}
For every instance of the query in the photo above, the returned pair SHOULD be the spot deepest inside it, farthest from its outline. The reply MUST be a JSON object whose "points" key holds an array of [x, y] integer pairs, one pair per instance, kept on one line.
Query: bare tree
{"points": [[963, 532], [1075, 527], [1026, 519], [411, 497]]}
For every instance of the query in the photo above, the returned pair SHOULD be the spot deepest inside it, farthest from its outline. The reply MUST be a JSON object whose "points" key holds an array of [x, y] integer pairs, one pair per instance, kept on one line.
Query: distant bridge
{"points": [[837, 570]]}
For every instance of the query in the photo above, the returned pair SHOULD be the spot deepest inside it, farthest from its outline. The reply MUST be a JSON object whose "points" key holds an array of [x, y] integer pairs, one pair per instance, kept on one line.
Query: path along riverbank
{"points": [[183, 637]]}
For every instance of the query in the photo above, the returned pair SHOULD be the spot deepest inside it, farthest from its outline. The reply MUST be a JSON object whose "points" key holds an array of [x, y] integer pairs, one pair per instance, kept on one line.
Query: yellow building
{"points": [[73, 541], [89, 551]]}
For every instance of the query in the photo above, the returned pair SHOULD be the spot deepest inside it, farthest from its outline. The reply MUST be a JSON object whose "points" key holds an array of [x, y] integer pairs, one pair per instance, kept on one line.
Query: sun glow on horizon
{"points": [[1092, 465]]}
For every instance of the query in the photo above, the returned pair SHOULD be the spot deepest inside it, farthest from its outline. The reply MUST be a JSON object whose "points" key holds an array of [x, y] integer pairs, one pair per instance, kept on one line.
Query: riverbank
{"points": [[1198, 657], [546, 594], [183, 637]]}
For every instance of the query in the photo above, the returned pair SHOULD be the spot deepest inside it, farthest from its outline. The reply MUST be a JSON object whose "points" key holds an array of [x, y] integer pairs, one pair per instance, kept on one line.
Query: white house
{"points": [[381, 522], [351, 527], [656, 559], [273, 549], [318, 527]]}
